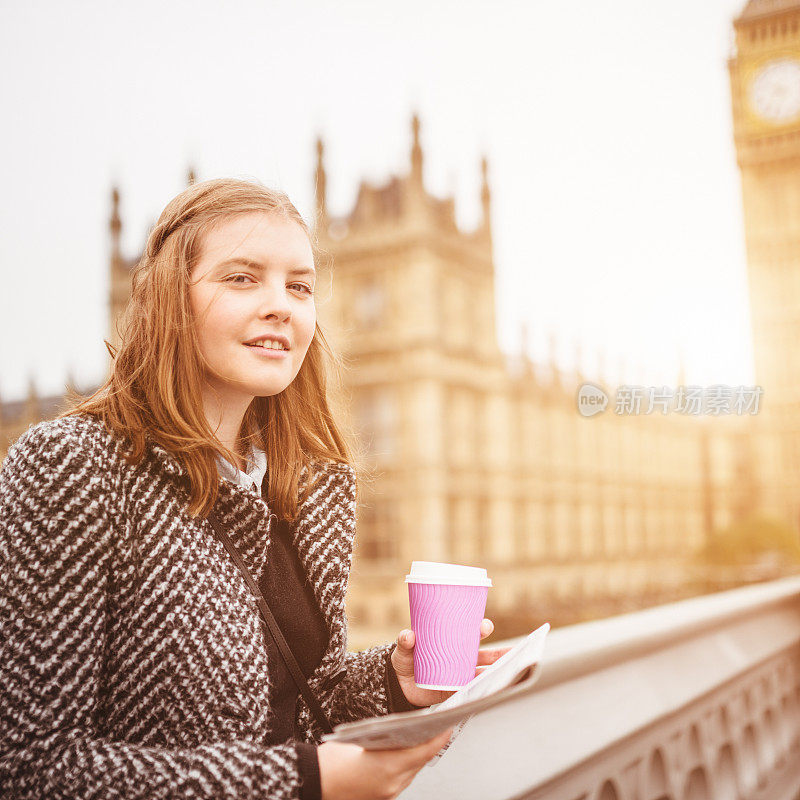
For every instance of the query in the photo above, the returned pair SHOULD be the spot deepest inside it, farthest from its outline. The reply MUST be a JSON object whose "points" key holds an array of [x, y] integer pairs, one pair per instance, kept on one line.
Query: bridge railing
{"points": [[691, 700]]}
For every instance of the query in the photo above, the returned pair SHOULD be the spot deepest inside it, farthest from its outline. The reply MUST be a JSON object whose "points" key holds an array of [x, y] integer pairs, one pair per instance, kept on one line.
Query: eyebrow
{"points": [[248, 262]]}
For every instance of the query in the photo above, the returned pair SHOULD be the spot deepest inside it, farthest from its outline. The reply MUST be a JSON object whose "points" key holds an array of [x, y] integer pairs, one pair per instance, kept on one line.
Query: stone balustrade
{"points": [[694, 700]]}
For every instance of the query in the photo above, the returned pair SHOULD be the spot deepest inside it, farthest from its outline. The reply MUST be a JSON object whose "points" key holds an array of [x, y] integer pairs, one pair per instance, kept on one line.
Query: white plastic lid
{"points": [[452, 574]]}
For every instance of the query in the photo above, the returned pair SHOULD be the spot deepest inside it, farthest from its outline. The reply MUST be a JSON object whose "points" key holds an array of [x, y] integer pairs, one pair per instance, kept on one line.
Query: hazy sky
{"points": [[616, 197]]}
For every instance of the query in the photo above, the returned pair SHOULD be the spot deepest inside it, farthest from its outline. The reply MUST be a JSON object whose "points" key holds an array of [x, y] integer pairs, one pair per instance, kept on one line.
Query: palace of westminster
{"points": [[484, 459]]}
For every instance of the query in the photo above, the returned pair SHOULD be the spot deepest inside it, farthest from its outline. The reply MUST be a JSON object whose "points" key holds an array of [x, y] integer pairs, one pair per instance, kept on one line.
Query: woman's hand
{"points": [[403, 663], [349, 772]]}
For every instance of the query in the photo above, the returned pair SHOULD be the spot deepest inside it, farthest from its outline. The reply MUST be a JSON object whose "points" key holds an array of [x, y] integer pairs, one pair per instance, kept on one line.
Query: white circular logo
{"points": [[591, 400]]}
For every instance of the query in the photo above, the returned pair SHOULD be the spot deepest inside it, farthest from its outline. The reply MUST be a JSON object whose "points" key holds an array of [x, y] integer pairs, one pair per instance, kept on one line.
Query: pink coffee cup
{"points": [[447, 603]]}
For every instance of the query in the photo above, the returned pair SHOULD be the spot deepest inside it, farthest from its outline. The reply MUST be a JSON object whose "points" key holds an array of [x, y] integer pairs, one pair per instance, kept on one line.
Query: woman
{"points": [[135, 664]]}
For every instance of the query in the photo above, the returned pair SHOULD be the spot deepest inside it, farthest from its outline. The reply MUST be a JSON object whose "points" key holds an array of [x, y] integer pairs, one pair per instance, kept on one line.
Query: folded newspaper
{"points": [[510, 677]]}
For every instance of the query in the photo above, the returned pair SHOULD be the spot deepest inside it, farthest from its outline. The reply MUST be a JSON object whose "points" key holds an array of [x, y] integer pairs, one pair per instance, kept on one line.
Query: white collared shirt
{"points": [[252, 478]]}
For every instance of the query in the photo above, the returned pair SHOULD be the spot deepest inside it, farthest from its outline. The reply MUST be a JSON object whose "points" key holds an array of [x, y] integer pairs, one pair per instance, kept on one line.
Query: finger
{"points": [[489, 656], [437, 743], [420, 754], [487, 626]]}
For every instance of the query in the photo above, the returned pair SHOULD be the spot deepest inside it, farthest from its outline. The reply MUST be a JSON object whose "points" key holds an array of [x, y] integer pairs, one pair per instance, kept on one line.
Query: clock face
{"points": [[775, 91]]}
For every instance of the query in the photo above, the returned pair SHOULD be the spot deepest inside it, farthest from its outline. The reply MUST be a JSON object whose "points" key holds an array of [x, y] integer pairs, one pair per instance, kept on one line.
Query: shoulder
{"points": [[57, 494], [81, 432], [53, 450], [318, 469], [325, 477]]}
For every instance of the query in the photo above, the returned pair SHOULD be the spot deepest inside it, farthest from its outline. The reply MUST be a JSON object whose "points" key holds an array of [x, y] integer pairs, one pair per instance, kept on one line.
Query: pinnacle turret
{"points": [[320, 185], [416, 154], [115, 224], [486, 197]]}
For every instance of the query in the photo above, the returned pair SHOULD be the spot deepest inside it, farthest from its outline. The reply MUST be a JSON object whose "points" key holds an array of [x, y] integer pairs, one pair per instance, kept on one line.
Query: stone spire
{"points": [[681, 368], [601, 366], [70, 385], [416, 154], [622, 371], [525, 340], [32, 407], [486, 197], [115, 226], [320, 186], [555, 374], [579, 373]]}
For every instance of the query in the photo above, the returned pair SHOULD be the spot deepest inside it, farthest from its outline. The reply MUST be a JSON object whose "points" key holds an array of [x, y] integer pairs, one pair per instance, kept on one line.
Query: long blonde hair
{"points": [[154, 387]]}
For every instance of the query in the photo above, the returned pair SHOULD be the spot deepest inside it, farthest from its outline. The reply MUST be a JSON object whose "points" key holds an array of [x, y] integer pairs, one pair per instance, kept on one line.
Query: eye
{"points": [[233, 278], [303, 287]]}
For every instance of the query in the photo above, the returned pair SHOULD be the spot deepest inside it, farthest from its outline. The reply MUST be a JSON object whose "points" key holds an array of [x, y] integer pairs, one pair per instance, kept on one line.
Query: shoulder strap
{"points": [[272, 626]]}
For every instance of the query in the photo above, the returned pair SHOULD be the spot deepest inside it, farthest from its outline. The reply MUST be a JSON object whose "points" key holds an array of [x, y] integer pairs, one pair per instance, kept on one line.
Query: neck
{"points": [[225, 416]]}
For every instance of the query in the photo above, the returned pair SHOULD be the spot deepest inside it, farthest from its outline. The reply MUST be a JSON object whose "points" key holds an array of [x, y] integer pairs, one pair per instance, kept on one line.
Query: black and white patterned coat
{"points": [[132, 653]]}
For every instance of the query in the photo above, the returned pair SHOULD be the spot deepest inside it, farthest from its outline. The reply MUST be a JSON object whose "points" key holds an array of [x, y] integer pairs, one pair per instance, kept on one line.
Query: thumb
{"points": [[403, 655], [406, 640]]}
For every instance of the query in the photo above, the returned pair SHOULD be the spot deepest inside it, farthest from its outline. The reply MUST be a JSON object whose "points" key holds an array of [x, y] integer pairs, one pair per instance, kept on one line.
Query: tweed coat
{"points": [[133, 657]]}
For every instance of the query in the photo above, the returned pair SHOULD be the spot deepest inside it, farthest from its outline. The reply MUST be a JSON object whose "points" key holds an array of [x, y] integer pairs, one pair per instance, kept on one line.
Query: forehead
{"points": [[259, 236]]}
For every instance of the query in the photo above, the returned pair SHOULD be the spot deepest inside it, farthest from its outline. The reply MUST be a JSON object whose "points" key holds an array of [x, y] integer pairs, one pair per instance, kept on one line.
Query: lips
{"points": [[269, 337], [267, 352]]}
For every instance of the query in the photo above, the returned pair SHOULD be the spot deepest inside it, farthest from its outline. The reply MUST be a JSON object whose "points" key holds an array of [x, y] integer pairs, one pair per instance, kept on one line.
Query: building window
{"points": [[564, 548], [377, 530], [483, 533], [375, 412], [522, 533], [370, 305], [451, 542], [587, 530]]}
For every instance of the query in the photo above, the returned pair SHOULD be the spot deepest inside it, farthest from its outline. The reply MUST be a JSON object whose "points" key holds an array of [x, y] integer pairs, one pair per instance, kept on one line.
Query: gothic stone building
{"points": [[483, 459]]}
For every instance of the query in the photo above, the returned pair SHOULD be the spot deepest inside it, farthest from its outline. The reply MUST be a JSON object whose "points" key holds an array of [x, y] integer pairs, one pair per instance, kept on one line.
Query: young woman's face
{"points": [[253, 283]]}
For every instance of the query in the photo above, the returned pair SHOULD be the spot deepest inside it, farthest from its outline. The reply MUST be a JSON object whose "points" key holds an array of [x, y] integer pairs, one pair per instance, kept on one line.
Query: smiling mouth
{"points": [[267, 345], [268, 352]]}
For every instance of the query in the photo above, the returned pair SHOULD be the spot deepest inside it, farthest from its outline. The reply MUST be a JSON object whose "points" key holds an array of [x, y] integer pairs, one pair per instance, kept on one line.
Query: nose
{"points": [[274, 302]]}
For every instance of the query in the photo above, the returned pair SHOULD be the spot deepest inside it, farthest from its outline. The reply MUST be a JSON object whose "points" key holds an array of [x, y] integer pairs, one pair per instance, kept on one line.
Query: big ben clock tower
{"points": [[765, 85]]}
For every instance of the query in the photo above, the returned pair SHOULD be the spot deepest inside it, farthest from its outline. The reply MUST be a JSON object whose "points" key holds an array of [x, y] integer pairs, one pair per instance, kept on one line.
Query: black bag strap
{"points": [[272, 626]]}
